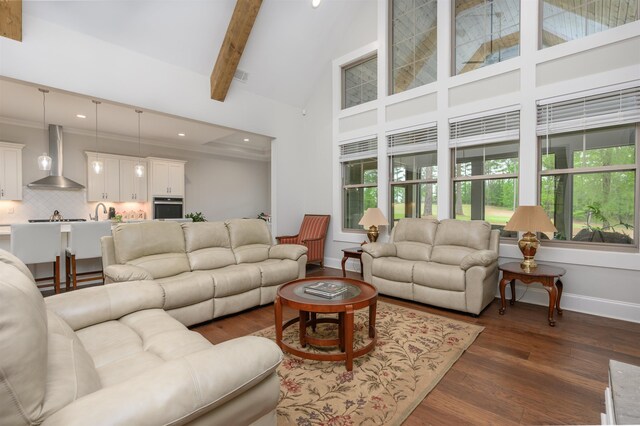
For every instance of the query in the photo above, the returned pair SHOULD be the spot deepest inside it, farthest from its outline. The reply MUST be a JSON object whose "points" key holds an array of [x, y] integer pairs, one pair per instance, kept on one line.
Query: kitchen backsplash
{"points": [[40, 204]]}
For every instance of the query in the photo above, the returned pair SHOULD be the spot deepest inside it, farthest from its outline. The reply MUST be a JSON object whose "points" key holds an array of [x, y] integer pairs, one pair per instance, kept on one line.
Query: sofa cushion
{"points": [[23, 342], [70, 373], [158, 247], [235, 279], [473, 233], [137, 343], [186, 289], [435, 275], [208, 245], [450, 255], [393, 268], [410, 250], [416, 230], [250, 239], [163, 265], [277, 271], [10, 259]]}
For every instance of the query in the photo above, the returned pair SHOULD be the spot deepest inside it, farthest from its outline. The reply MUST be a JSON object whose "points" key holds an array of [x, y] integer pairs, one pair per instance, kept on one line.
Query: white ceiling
{"points": [[289, 45], [22, 104]]}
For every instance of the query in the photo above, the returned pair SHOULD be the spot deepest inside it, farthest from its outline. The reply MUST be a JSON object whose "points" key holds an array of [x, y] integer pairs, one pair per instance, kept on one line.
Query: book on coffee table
{"points": [[326, 289]]}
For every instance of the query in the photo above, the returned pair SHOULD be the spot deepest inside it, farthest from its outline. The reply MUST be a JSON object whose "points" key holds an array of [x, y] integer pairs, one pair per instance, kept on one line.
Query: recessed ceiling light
{"points": [[81, 116], [315, 3], [181, 134], [246, 139]]}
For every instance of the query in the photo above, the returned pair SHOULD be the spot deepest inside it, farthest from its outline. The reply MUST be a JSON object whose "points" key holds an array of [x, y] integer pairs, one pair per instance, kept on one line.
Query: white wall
{"points": [[319, 134], [219, 187]]}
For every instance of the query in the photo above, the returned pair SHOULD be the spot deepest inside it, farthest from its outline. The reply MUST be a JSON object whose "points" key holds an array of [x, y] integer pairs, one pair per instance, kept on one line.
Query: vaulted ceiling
{"points": [[289, 45]]}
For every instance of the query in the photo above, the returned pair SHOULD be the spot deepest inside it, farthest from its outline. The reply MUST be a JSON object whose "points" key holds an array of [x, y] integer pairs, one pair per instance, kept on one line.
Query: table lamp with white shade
{"points": [[529, 219], [373, 218]]}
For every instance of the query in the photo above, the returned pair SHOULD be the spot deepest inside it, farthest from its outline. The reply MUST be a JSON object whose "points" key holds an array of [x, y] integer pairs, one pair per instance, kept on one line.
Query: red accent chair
{"points": [[312, 234]]}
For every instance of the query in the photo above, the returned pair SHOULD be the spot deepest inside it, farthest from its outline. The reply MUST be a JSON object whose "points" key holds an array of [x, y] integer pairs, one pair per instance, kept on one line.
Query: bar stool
{"points": [[84, 243], [34, 243]]}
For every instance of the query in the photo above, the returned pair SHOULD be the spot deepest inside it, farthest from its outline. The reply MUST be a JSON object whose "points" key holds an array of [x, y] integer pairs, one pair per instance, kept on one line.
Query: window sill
{"points": [[558, 253]]}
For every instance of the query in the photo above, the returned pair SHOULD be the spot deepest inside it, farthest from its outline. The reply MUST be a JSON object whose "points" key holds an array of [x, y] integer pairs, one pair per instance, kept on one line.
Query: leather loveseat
{"points": [[206, 269], [450, 263], [111, 355]]}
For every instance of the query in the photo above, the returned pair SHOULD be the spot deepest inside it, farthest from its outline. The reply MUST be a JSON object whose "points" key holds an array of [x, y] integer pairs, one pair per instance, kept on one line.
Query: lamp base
{"points": [[528, 246], [373, 233]]}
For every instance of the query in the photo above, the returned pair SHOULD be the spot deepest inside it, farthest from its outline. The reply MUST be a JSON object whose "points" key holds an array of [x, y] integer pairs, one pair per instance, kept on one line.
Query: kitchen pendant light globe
{"points": [[44, 162], [315, 3], [97, 166], [139, 170]]}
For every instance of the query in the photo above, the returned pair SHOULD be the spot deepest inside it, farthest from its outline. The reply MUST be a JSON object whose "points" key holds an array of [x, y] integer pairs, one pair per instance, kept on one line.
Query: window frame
{"points": [[453, 68], [483, 178], [389, 67], [345, 187], [541, 26], [588, 245], [343, 87], [418, 182]]}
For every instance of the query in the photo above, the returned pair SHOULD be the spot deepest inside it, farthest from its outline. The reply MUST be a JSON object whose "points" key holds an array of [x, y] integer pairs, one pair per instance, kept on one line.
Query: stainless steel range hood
{"points": [[55, 180]]}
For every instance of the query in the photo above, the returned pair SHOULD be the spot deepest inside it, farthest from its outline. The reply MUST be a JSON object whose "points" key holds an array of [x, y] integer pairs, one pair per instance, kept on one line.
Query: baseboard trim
{"points": [[352, 264], [578, 303], [537, 296]]}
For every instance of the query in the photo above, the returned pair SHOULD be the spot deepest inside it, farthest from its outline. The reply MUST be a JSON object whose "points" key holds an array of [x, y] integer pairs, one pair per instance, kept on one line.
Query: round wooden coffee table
{"points": [[359, 295]]}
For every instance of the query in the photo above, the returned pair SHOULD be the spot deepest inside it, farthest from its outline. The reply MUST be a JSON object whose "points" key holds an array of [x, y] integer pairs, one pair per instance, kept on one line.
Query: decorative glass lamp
{"points": [[373, 218], [529, 219]]}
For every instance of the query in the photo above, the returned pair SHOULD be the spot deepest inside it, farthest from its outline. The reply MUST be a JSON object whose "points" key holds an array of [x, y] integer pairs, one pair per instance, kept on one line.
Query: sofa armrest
{"points": [[478, 258], [121, 273], [380, 249], [94, 305], [179, 390], [287, 251]]}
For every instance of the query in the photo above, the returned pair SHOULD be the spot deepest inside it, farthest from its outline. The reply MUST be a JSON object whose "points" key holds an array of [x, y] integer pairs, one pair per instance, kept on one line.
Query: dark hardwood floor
{"points": [[518, 371]]}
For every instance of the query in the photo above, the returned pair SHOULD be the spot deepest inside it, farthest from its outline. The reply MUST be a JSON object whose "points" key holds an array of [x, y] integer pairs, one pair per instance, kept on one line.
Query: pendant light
{"points": [[96, 164], [139, 168], [44, 161]]}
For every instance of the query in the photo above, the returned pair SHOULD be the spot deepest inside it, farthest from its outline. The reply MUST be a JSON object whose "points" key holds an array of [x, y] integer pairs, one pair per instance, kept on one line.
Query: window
{"points": [[570, 20], [360, 82], [413, 173], [588, 177], [359, 181], [413, 43], [485, 168], [487, 31]]}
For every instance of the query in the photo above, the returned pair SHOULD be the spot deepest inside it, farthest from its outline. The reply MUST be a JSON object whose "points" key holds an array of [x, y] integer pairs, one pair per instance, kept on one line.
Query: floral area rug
{"points": [[413, 352]]}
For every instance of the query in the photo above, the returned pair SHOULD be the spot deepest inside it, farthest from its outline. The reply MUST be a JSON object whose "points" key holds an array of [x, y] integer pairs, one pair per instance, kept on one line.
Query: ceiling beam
{"points": [[244, 15], [11, 19]]}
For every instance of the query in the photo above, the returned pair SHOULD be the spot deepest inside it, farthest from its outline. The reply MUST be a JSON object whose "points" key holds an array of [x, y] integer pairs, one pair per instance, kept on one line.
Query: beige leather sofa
{"points": [[206, 269], [452, 263], [111, 355]]}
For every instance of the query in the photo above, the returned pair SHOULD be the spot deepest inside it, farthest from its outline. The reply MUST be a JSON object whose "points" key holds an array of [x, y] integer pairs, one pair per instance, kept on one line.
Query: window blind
{"points": [[607, 109], [358, 150], [413, 141], [492, 128]]}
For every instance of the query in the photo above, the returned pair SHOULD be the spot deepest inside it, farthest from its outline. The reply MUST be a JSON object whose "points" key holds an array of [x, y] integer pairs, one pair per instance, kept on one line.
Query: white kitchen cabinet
{"points": [[106, 185], [132, 187], [166, 177], [10, 171]]}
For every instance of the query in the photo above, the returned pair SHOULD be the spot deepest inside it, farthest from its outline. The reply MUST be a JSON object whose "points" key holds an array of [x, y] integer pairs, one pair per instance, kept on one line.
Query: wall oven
{"points": [[168, 208]]}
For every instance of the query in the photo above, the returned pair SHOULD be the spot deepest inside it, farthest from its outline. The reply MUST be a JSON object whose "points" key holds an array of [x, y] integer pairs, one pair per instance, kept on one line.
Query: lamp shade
{"points": [[530, 218], [373, 217]]}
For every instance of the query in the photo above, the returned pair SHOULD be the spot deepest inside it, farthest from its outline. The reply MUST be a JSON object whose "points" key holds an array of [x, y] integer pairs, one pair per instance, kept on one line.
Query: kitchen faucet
{"points": [[104, 210]]}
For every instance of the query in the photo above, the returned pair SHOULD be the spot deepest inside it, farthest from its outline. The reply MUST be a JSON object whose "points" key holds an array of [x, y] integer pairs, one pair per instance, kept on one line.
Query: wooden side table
{"points": [[355, 253], [548, 276]]}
